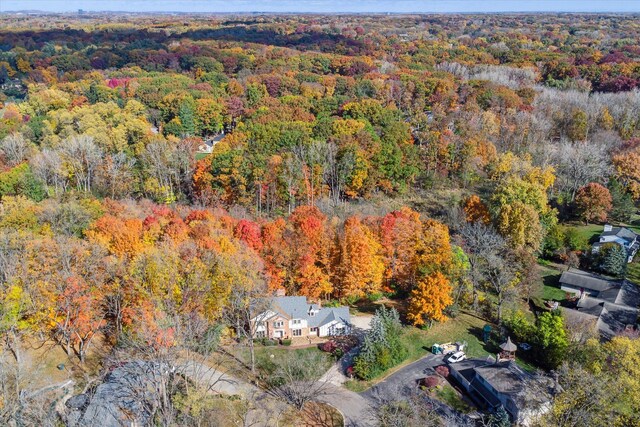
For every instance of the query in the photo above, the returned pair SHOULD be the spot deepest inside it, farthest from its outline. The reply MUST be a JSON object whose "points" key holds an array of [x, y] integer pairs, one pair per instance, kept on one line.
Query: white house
{"points": [[290, 317], [621, 236]]}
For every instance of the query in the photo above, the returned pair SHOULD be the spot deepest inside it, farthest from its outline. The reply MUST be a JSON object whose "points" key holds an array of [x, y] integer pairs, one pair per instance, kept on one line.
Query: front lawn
{"points": [[268, 356]]}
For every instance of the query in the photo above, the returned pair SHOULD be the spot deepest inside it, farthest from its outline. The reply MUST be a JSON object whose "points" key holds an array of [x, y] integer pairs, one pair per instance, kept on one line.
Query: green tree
{"points": [[623, 207], [579, 126], [382, 348], [551, 339], [186, 114], [613, 259], [500, 418]]}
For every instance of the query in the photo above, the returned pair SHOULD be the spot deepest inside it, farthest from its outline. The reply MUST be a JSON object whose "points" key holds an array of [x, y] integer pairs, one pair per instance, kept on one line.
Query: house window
{"points": [[260, 334], [297, 332], [278, 324], [297, 321], [312, 313]]}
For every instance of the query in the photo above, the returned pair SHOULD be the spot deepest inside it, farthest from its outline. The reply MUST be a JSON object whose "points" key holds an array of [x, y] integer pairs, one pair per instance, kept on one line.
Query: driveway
{"points": [[403, 381], [355, 408]]}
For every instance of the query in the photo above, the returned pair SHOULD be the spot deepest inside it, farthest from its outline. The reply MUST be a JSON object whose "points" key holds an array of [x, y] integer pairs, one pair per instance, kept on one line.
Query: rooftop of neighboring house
{"points": [[214, 139], [613, 307], [295, 307], [586, 280], [620, 232], [619, 292]]}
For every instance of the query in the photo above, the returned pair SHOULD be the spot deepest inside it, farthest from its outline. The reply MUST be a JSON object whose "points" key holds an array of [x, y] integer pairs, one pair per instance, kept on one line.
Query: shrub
{"points": [[375, 296], [350, 371], [430, 382], [442, 371], [267, 342], [286, 342], [328, 346]]}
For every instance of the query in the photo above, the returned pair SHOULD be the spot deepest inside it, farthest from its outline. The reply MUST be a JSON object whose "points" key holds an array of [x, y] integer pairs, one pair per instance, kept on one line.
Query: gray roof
{"points": [[466, 368], [586, 280], [622, 232], [298, 308], [614, 318], [508, 345], [613, 308], [507, 379]]}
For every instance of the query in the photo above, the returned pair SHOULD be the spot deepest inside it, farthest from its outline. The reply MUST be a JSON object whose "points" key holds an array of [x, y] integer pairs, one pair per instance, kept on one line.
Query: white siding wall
{"points": [[302, 324], [325, 330]]}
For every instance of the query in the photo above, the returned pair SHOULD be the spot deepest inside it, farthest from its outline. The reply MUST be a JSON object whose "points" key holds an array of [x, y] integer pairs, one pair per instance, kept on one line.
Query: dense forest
{"points": [[157, 173]]}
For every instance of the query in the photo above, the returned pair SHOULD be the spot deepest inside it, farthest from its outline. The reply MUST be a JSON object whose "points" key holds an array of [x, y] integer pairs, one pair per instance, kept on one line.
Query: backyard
{"points": [[550, 275]]}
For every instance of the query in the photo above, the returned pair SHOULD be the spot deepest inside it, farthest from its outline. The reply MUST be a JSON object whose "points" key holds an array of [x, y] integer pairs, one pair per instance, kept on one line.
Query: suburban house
{"points": [[209, 143], [611, 305], [292, 317], [493, 384], [621, 236]]}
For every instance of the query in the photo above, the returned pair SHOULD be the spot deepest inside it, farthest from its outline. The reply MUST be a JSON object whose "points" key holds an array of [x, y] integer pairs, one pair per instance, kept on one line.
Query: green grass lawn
{"points": [[589, 231], [200, 156], [633, 271], [464, 327], [449, 396], [550, 284]]}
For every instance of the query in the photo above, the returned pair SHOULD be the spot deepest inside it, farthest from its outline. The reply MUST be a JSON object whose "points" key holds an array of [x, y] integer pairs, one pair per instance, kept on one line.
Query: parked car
{"points": [[524, 346], [456, 357]]}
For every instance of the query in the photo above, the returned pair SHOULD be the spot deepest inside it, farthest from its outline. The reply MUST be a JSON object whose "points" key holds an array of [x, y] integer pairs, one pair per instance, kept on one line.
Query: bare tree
{"points": [[298, 378], [499, 270], [479, 242], [248, 297], [579, 164], [15, 149], [48, 166], [116, 174], [82, 158], [413, 407]]}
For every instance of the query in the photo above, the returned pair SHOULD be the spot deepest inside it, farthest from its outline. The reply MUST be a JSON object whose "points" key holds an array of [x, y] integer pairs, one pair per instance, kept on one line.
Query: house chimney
{"points": [[608, 227], [281, 292]]}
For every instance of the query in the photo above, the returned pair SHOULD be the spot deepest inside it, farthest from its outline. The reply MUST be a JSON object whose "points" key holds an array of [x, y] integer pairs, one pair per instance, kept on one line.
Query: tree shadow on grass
{"points": [[492, 346]]}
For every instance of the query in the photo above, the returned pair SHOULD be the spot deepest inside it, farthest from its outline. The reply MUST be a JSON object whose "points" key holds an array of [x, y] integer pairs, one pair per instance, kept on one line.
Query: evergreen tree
{"points": [[622, 202], [186, 114], [613, 259], [381, 348], [500, 418]]}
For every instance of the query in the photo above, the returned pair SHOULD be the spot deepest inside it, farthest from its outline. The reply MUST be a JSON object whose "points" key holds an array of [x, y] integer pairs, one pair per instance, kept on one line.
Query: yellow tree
{"points": [[360, 265], [429, 299], [520, 223], [433, 250]]}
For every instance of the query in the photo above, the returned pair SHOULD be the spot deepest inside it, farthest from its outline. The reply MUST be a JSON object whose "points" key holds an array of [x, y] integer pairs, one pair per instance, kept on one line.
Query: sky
{"points": [[324, 6]]}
